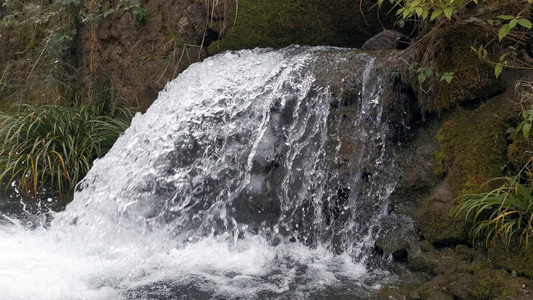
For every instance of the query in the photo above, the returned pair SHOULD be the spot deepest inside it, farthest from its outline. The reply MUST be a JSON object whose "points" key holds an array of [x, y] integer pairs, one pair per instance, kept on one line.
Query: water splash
{"points": [[242, 180]]}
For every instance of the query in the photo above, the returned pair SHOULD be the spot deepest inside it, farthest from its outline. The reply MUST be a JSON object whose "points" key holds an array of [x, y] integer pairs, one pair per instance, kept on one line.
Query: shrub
{"points": [[54, 146]]}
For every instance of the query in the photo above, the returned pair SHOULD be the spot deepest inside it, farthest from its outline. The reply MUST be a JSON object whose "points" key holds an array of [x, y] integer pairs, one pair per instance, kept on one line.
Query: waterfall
{"points": [[253, 175]]}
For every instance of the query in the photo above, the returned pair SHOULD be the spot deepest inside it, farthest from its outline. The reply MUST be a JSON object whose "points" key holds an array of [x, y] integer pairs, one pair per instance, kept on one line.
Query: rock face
{"points": [[279, 23], [136, 51], [386, 40], [126, 51]]}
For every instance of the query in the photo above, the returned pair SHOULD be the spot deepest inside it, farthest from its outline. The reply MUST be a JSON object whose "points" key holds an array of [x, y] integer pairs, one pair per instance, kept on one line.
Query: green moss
{"points": [[495, 284], [474, 145], [519, 151], [519, 259], [483, 290], [279, 23], [437, 227], [472, 77], [438, 157]]}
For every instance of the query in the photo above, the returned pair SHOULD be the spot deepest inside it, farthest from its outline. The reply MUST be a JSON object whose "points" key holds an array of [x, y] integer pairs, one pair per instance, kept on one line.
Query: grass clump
{"points": [[54, 146], [505, 212]]}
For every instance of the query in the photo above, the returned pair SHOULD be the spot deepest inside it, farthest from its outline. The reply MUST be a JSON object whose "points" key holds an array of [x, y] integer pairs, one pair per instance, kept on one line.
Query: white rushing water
{"points": [[223, 189]]}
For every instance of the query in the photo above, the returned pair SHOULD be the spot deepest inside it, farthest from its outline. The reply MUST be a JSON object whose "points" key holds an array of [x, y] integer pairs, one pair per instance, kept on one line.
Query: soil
{"points": [[137, 60]]}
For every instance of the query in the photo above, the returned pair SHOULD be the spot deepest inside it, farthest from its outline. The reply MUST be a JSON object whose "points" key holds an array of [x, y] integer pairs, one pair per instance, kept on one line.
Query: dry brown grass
{"points": [[524, 93], [218, 11]]}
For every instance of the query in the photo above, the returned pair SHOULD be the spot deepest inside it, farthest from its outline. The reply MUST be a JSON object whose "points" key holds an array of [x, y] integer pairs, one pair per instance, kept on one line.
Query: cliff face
{"points": [[134, 51], [127, 50], [71, 51], [134, 48]]}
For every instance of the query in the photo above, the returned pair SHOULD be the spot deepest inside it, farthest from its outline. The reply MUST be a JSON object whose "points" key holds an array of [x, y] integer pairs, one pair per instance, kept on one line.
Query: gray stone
{"points": [[387, 39]]}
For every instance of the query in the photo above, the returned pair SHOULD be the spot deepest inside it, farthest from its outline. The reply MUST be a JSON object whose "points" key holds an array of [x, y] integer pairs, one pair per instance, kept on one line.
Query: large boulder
{"points": [[386, 40]]}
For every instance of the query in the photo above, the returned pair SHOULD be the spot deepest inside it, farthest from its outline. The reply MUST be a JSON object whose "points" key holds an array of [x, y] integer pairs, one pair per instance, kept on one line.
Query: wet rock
{"points": [[434, 221], [386, 40], [464, 273], [519, 261]]}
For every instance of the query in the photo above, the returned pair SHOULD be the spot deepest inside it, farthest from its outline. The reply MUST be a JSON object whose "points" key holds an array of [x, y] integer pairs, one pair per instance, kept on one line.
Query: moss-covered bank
{"points": [[279, 23]]}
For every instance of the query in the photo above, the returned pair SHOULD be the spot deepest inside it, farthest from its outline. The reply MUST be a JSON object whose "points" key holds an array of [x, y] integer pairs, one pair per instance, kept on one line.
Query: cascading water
{"points": [[248, 178]]}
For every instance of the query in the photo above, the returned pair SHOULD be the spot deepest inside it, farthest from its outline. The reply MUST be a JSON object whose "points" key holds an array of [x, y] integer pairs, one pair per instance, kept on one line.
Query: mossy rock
{"points": [[434, 221], [518, 259], [474, 145], [279, 23], [519, 151], [473, 78], [464, 273]]}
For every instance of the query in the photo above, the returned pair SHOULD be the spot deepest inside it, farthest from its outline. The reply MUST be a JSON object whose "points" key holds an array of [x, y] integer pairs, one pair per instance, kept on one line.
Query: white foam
{"points": [[34, 265]]}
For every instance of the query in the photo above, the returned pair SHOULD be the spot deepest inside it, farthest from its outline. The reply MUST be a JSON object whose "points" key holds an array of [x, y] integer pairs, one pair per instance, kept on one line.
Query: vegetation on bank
{"points": [[462, 49], [279, 23], [48, 140], [505, 212], [36, 45], [53, 146], [466, 44]]}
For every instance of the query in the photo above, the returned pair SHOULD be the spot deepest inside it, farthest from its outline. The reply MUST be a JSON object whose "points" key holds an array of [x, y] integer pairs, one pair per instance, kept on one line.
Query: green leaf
{"points": [[503, 56], [490, 21], [425, 13], [429, 71], [525, 23], [421, 77], [505, 17], [526, 129], [512, 24], [418, 11], [448, 12], [519, 128], [435, 14], [406, 14], [498, 69], [503, 31], [400, 10], [448, 76]]}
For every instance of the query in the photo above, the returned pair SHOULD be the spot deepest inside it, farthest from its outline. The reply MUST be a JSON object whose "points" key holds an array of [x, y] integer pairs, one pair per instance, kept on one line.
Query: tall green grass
{"points": [[54, 146], [505, 212]]}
